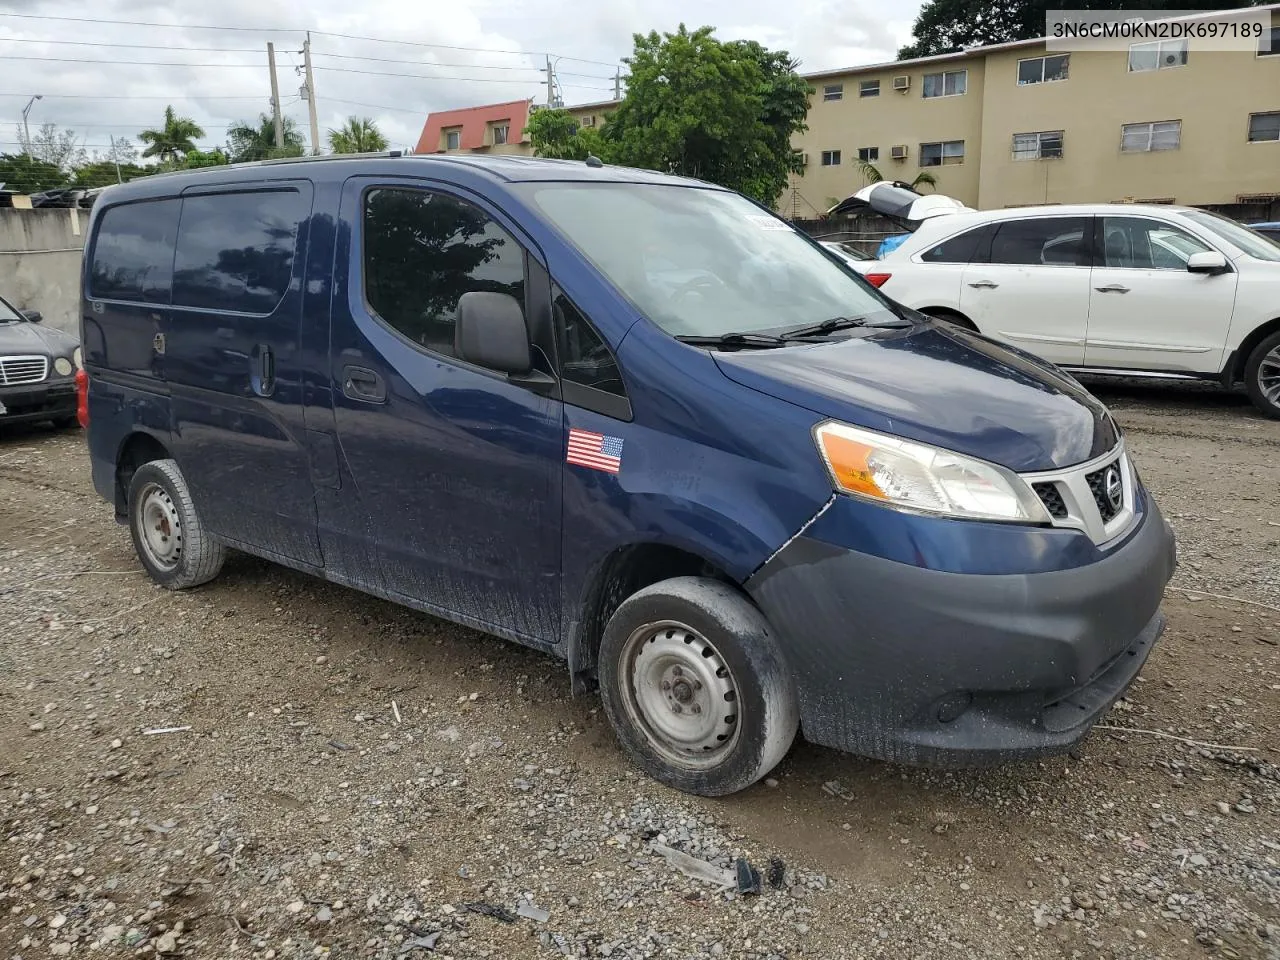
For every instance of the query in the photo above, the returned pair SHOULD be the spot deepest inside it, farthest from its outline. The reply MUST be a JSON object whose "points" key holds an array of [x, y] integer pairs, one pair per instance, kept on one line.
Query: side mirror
{"points": [[34, 316], [1211, 261], [491, 332]]}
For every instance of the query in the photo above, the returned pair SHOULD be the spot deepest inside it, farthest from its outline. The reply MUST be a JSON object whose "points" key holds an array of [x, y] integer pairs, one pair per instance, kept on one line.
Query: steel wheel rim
{"points": [[160, 526], [1269, 376], [680, 693]]}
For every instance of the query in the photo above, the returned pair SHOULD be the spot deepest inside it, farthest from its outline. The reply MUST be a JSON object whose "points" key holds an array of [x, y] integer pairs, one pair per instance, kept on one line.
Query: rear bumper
{"points": [[939, 668], [38, 401]]}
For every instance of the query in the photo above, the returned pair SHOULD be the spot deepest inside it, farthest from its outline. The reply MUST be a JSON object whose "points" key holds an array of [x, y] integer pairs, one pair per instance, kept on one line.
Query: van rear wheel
{"points": [[695, 687], [1262, 376], [168, 536]]}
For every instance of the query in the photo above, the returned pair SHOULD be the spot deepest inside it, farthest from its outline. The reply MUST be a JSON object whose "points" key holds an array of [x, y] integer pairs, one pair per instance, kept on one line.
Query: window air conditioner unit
{"points": [[898, 152], [589, 121], [902, 83]]}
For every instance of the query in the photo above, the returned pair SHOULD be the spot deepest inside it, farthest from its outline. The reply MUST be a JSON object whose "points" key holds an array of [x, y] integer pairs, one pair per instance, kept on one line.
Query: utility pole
{"points": [[311, 95], [617, 83], [275, 96], [115, 158], [551, 84], [26, 131]]}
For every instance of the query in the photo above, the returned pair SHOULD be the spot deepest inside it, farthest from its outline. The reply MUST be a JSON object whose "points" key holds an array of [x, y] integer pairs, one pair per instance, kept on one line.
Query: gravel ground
{"points": [[351, 779]]}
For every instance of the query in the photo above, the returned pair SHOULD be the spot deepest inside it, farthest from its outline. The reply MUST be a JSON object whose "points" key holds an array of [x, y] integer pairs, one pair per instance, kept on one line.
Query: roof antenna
{"points": [[594, 161]]}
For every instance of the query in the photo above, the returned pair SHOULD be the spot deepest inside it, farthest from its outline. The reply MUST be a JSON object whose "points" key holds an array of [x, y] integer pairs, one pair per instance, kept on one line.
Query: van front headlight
{"points": [[913, 476]]}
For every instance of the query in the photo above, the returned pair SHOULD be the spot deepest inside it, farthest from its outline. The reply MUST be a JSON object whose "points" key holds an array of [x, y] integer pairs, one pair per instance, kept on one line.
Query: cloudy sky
{"points": [[393, 60]]}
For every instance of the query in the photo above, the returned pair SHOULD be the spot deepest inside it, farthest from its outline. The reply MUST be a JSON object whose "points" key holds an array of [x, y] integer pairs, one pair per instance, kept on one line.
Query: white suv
{"points": [[1127, 289]]}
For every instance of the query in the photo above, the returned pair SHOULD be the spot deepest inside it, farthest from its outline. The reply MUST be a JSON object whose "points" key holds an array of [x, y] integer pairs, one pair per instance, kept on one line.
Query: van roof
{"points": [[499, 167]]}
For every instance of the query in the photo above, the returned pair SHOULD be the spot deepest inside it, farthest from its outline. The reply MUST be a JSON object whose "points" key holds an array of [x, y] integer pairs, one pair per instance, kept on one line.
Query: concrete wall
{"points": [[40, 252]]}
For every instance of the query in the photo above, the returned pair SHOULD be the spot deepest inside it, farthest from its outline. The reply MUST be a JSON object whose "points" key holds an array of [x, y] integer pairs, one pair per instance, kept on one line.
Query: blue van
{"points": [[635, 421]]}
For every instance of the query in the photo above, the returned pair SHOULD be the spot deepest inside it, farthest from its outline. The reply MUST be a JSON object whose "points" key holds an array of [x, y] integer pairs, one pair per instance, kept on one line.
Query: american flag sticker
{"points": [[594, 450]]}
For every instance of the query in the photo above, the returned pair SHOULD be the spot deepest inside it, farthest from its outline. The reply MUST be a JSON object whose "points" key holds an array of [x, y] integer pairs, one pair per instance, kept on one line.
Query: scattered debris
{"points": [[748, 877], [489, 910], [695, 869], [777, 873], [530, 912]]}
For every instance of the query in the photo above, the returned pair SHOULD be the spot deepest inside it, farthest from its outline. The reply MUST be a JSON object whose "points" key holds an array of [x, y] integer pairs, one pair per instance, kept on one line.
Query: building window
{"points": [[500, 133], [1148, 137], [1160, 55], [1264, 127], [939, 154], [833, 91], [452, 139], [1274, 50], [422, 252], [1045, 145], [831, 158], [950, 84], [589, 121], [1043, 69], [869, 88], [868, 154]]}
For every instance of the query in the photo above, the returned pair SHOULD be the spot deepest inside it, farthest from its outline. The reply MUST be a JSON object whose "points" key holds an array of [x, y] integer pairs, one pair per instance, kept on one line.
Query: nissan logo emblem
{"points": [[1113, 487]]}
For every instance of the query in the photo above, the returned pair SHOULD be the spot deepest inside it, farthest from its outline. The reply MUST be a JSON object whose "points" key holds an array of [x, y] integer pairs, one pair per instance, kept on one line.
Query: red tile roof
{"points": [[474, 122]]}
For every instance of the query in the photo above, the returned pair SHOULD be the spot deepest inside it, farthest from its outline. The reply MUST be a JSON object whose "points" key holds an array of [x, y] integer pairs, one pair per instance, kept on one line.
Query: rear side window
{"points": [[1043, 241], [236, 250], [423, 251], [959, 249], [133, 253]]}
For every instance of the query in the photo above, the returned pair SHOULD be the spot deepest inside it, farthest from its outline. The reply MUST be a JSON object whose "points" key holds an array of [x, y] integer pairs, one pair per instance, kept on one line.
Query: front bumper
{"points": [[48, 400], [940, 668]]}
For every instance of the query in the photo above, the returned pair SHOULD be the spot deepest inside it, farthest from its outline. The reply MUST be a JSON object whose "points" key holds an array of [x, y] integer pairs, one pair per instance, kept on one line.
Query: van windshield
{"points": [[704, 262]]}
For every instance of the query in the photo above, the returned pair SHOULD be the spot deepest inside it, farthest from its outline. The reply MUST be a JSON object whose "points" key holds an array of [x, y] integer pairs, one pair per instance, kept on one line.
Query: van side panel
{"points": [[232, 363]]}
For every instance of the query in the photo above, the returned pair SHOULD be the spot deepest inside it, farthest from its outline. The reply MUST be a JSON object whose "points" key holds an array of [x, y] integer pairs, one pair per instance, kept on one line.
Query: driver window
{"points": [[1137, 243], [584, 357]]}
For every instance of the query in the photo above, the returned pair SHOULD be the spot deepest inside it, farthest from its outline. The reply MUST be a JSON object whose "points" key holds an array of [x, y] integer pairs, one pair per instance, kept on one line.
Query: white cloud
{"points": [[218, 86]]}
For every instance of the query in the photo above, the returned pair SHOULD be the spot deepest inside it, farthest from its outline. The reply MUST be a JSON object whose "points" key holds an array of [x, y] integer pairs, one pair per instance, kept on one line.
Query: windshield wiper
{"points": [[748, 341], [826, 326]]}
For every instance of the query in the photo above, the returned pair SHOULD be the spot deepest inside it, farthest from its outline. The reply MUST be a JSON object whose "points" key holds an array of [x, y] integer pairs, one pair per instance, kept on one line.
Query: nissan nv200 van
{"points": [[635, 421]]}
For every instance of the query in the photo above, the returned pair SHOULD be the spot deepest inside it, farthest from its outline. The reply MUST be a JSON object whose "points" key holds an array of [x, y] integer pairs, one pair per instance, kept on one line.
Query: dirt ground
{"points": [[352, 779]]}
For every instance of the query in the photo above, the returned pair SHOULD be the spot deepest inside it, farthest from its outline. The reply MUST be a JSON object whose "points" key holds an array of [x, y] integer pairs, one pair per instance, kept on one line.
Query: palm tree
{"points": [[246, 141], [175, 139], [357, 135], [923, 178]]}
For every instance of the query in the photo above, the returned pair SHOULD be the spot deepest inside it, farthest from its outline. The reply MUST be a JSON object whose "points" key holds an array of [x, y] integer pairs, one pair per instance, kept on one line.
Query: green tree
{"points": [[205, 158], [357, 135], [248, 142], [102, 173], [555, 133], [946, 26], [172, 141], [873, 175], [25, 174], [723, 112]]}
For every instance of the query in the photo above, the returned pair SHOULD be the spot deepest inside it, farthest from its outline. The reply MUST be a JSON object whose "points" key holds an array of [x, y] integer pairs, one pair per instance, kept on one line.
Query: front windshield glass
{"points": [[703, 262], [8, 314], [1250, 241]]}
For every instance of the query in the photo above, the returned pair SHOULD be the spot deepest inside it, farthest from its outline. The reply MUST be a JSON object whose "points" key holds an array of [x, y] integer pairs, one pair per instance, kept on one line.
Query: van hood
{"points": [[940, 385]]}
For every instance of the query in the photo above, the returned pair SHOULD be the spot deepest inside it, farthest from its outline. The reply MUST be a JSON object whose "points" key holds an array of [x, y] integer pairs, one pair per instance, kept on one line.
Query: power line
{"points": [[420, 76], [172, 97], [372, 106], [275, 30], [139, 63], [129, 46]]}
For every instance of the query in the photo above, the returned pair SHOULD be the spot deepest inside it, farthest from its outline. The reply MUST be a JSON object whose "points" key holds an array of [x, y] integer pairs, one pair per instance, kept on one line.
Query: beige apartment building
{"points": [[1016, 124]]}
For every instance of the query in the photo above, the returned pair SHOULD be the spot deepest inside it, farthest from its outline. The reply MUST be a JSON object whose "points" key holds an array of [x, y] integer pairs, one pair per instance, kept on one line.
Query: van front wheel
{"points": [[168, 536], [696, 689]]}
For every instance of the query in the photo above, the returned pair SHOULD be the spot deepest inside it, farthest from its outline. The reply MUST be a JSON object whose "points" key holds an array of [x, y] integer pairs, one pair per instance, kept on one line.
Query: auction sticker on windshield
{"points": [[766, 222]]}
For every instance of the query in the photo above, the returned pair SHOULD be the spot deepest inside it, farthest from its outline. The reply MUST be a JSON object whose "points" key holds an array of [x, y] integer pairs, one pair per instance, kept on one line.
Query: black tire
{"points": [[158, 494], [953, 318], [764, 713], [1262, 371]]}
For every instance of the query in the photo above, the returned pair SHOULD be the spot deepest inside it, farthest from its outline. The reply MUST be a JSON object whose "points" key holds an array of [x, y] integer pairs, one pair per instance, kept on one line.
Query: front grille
{"points": [[15, 370], [1051, 498], [1098, 487]]}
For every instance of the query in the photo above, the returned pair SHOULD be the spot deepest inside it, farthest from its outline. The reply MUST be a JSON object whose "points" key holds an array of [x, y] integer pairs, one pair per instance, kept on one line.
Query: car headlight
{"points": [[62, 367], [908, 475], [77, 357]]}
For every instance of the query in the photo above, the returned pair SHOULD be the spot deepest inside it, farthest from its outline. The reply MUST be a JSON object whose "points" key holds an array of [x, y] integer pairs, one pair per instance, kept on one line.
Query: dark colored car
{"points": [[632, 420], [1271, 230], [37, 369]]}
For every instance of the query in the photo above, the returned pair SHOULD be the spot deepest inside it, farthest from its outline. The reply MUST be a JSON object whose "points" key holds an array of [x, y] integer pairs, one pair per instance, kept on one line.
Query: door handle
{"points": [[263, 375], [984, 284], [1113, 288], [360, 383]]}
